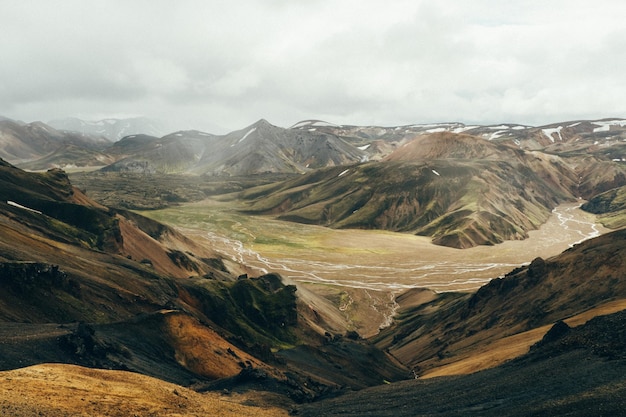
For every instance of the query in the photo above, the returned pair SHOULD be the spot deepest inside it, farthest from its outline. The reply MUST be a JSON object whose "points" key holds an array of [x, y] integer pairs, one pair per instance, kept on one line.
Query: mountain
{"points": [[259, 148], [113, 129], [571, 371], [546, 339], [610, 206], [21, 143], [459, 189], [171, 154], [603, 138], [87, 285]]}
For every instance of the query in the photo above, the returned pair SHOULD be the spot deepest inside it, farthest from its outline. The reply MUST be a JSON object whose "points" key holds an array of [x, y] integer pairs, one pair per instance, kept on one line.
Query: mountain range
{"points": [[88, 286], [461, 185], [89, 283]]}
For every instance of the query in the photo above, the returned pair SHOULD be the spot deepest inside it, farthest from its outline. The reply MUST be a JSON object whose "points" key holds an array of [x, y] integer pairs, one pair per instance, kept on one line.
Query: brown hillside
{"points": [[444, 145], [58, 390], [452, 327]]}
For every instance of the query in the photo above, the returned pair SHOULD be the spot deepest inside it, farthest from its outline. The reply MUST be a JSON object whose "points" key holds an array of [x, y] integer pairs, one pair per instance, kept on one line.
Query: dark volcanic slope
{"points": [[448, 328], [578, 372]]}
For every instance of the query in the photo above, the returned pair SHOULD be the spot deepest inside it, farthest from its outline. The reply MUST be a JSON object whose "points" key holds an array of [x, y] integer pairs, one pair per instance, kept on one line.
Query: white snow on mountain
{"points": [[549, 132], [605, 125], [247, 134]]}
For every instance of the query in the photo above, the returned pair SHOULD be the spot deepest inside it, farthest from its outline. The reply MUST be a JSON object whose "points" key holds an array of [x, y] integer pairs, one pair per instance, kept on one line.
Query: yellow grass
{"points": [[56, 390], [516, 345]]}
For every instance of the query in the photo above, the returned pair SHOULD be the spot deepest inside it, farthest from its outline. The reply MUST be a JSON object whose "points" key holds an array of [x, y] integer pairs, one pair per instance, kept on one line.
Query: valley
{"points": [[291, 270], [369, 259], [362, 271]]}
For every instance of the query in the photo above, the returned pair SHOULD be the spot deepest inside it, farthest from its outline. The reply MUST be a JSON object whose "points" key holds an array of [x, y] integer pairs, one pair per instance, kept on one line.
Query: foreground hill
{"points": [[573, 372], [66, 390], [452, 328], [88, 285]]}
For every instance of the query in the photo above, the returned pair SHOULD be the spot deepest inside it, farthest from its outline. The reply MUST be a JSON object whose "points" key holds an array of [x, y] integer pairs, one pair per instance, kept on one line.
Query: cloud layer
{"points": [[221, 65]]}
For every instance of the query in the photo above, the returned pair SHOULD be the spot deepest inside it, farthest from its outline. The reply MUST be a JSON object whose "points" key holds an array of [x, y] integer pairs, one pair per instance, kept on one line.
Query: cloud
{"points": [[200, 64]]}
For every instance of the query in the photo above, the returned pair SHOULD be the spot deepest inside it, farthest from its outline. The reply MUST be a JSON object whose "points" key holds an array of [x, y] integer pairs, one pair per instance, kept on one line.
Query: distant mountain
{"points": [[112, 129], [259, 148], [604, 138], [21, 143]]}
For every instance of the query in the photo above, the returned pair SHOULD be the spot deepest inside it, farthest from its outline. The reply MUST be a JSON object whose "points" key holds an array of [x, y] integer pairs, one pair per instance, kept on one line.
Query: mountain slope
{"points": [[452, 328], [39, 146], [458, 203], [108, 288], [611, 206], [259, 148], [573, 372]]}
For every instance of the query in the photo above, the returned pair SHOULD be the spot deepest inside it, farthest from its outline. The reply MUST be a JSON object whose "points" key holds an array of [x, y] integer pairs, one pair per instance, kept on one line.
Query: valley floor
{"points": [[362, 271]]}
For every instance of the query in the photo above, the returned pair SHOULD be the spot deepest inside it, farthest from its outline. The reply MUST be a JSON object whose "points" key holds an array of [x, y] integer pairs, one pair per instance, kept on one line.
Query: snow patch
{"points": [[343, 173], [437, 130], [463, 129], [14, 204], [364, 147], [605, 126], [497, 134], [499, 127], [574, 124], [247, 134], [436, 173], [549, 132]]}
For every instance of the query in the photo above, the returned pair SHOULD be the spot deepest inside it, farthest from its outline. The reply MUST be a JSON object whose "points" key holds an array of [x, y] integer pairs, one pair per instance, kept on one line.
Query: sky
{"points": [[220, 66]]}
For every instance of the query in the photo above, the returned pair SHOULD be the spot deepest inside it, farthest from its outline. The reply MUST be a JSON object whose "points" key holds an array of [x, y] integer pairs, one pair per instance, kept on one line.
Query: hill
{"points": [[27, 143], [611, 206], [447, 329], [573, 372], [459, 189], [92, 286]]}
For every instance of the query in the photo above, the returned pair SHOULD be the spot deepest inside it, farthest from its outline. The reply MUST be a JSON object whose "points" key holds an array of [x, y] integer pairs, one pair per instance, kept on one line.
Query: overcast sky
{"points": [[221, 65]]}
